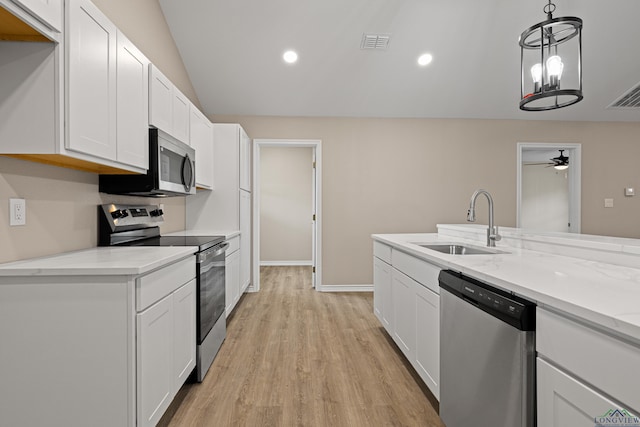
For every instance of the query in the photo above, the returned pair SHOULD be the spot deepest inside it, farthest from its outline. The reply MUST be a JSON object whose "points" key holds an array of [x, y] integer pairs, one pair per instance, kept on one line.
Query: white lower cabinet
{"points": [[407, 303], [154, 366], [564, 401], [102, 350], [382, 302], [245, 240], [232, 275], [403, 296], [184, 333], [584, 374], [165, 356], [427, 356]]}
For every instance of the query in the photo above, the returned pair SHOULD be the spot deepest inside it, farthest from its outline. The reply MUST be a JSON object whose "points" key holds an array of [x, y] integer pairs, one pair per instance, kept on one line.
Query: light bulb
{"points": [[425, 59], [536, 73], [561, 167], [555, 66], [290, 56]]}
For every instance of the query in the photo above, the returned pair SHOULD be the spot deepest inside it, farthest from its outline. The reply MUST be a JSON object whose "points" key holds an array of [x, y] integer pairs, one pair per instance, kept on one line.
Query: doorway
{"points": [[548, 199], [314, 215]]}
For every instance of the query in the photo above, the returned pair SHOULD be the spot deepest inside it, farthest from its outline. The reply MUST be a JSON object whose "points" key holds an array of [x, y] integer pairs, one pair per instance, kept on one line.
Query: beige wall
{"points": [[143, 23], [407, 175], [62, 209], [285, 204], [62, 203]]}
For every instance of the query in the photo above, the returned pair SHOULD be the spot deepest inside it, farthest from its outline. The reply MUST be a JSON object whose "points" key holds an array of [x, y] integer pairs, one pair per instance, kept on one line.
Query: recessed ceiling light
{"points": [[425, 59], [290, 57]]}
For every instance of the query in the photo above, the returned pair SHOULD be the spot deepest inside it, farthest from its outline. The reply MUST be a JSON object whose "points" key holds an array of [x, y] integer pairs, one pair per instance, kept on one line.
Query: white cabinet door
{"points": [[154, 361], [232, 281], [184, 333], [201, 135], [382, 304], [245, 160], [47, 11], [132, 104], [245, 239], [91, 71], [427, 361], [180, 116], [564, 401], [160, 100], [404, 312]]}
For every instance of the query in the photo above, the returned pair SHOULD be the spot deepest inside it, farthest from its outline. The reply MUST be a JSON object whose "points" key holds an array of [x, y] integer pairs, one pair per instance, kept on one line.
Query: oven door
{"points": [[211, 285]]}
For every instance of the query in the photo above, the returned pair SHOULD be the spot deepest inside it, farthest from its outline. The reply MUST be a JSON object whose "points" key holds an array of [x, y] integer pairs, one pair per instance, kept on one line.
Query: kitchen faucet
{"points": [[492, 231]]}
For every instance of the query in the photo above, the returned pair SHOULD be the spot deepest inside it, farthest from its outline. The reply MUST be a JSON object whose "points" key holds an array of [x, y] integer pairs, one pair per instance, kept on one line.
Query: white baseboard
{"points": [[284, 263], [346, 288]]}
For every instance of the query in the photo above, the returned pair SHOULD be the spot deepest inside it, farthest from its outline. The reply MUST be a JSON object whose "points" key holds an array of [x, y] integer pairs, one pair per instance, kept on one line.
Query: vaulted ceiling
{"points": [[233, 53]]}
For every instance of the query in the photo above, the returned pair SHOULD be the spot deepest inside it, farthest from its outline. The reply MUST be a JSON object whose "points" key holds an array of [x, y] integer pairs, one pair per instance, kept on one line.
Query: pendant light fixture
{"points": [[551, 63]]}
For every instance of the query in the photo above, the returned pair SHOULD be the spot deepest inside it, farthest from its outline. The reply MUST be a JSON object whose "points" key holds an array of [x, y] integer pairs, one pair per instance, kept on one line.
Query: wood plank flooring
{"points": [[297, 357]]}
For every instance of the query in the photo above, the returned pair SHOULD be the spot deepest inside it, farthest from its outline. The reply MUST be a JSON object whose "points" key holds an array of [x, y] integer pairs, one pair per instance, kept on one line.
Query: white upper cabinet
{"points": [[245, 160], [168, 107], [107, 87], [160, 100], [201, 135], [91, 81], [180, 116], [48, 12], [132, 104], [82, 103]]}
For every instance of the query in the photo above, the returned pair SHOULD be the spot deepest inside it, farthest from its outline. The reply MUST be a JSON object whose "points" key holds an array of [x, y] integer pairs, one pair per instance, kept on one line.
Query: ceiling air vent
{"points": [[375, 41], [630, 99]]}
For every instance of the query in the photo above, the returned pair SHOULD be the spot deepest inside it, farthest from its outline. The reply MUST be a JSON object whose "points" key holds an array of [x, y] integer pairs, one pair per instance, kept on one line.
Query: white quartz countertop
{"points": [[100, 261], [228, 234], [603, 294]]}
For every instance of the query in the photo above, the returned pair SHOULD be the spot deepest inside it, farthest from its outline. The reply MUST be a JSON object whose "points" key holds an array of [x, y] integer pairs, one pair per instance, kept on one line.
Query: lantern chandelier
{"points": [[551, 63]]}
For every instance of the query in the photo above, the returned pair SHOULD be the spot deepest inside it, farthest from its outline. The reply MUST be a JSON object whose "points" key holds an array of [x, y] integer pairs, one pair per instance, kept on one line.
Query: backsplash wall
{"points": [[62, 213]]}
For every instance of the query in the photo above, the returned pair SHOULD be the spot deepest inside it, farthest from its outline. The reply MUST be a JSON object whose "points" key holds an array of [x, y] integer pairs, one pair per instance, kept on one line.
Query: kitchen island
{"points": [[586, 288]]}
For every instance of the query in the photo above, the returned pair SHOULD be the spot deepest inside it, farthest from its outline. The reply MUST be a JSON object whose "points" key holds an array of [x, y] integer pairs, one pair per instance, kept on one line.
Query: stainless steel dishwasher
{"points": [[487, 354]]}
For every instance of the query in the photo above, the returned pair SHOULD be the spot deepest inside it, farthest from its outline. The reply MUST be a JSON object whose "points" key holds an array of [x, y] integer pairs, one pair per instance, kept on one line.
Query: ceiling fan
{"points": [[560, 163]]}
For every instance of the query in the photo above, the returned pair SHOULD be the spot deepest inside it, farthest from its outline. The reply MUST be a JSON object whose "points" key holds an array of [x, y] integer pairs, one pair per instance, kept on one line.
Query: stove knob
{"points": [[116, 214], [156, 212], [125, 213]]}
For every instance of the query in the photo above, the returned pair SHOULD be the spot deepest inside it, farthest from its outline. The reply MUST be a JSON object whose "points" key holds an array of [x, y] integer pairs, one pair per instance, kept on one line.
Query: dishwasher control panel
{"points": [[509, 308], [492, 299]]}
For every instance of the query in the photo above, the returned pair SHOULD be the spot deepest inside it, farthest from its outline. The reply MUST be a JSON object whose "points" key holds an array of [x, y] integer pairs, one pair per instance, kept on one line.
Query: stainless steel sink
{"points": [[456, 249]]}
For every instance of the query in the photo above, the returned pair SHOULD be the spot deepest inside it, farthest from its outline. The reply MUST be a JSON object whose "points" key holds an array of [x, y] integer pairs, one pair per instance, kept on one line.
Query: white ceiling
{"points": [[233, 49]]}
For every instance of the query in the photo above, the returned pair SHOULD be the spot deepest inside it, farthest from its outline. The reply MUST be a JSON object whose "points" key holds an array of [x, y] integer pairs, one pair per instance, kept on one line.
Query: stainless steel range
{"points": [[138, 225]]}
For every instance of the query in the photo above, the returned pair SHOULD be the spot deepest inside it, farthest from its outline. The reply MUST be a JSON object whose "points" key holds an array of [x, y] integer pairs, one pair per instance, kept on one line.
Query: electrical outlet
{"points": [[17, 212]]}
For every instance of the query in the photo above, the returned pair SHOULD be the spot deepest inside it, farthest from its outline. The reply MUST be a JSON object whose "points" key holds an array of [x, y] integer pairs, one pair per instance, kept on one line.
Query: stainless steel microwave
{"points": [[172, 171]]}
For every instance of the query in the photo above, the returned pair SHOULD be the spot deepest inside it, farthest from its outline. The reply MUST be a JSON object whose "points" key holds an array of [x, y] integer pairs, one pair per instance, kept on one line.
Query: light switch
{"points": [[608, 203], [629, 191]]}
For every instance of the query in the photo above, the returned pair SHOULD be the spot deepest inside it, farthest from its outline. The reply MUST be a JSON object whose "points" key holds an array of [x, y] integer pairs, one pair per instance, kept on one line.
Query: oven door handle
{"points": [[212, 253]]}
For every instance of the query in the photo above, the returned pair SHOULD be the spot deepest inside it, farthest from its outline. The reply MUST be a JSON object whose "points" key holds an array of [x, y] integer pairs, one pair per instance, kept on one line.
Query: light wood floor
{"points": [[297, 357]]}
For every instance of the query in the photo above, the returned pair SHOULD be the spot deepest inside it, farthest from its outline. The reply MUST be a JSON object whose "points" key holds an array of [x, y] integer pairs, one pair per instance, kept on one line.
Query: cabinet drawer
{"points": [[382, 251], [417, 269], [604, 361], [155, 286], [234, 245]]}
